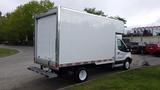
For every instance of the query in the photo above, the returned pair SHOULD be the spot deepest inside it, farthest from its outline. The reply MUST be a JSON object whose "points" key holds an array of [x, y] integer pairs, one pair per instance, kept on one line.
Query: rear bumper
{"points": [[45, 73], [47, 63]]}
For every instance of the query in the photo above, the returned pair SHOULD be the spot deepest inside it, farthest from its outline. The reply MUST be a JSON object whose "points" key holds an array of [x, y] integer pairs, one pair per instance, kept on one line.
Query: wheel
{"points": [[41, 67], [81, 75], [157, 54], [126, 65]]}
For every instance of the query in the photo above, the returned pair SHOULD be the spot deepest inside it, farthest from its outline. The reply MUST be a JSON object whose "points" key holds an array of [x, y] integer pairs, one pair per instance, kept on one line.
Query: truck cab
{"points": [[123, 53]]}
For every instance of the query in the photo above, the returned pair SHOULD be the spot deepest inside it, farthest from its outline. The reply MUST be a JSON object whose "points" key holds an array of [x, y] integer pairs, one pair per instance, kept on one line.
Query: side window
{"points": [[121, 46]]}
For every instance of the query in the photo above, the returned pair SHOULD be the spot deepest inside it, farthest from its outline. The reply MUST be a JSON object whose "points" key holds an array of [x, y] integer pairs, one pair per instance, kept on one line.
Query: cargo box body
{"points": [[65, 37]]}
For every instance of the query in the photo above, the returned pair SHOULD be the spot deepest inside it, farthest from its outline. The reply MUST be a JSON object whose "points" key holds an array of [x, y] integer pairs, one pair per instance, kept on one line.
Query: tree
{"points": [[20, 26], [0, 13], [119, 18], [3, 21], [94, 11], [101, 13]]}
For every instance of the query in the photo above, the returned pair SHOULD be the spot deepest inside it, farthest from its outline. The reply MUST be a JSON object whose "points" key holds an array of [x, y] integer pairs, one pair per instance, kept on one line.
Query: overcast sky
{"points": [[137, 12]]}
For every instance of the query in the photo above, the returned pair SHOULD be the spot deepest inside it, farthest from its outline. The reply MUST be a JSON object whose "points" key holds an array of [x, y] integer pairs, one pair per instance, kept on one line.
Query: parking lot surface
{"points": [[15, 76]]}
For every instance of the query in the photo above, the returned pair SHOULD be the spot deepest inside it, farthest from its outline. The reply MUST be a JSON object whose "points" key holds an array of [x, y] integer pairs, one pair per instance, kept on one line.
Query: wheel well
{"points": [[129, 59]]}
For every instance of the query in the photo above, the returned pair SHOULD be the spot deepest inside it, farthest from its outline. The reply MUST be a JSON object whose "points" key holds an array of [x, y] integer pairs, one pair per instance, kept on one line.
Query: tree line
{"points": [[101, 13], [17, 27]]}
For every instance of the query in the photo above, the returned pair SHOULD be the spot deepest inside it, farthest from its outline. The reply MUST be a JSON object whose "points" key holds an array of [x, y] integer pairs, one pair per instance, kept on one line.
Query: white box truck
{"points": [[67, 40]]}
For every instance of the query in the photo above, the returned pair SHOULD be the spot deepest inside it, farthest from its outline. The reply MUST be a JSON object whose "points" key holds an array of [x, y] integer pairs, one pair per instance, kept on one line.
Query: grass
{"points": [[139, 79], [7, 52]]}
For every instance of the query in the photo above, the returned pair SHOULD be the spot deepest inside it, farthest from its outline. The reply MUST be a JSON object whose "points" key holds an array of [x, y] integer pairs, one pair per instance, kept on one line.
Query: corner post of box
{"points": [[57, 37], [35, 38]]}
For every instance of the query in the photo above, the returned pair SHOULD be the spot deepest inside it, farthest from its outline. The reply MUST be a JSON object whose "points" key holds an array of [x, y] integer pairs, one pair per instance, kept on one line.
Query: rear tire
{"points": [[126, 65], [81, 75]]}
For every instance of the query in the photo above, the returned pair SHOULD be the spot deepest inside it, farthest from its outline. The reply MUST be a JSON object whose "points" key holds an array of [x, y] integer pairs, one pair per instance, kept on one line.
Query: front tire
{"points": [[126, 65], [81, 75]]}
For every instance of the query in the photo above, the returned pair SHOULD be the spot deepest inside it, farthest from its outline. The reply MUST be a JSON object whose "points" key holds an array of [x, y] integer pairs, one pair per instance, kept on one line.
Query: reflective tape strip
{"points": [[84, 63]]}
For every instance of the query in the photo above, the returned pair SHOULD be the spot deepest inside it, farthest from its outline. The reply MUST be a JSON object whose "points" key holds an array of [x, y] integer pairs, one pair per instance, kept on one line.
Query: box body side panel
{"points": [[84, 37]]}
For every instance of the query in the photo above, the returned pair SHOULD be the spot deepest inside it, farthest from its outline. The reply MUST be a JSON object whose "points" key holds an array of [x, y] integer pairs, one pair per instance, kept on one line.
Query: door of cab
{"points": [[121, 49]]}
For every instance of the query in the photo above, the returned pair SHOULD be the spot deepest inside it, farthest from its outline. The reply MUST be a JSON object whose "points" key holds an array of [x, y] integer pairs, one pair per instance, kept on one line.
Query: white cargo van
{"points": [[70, 40]]}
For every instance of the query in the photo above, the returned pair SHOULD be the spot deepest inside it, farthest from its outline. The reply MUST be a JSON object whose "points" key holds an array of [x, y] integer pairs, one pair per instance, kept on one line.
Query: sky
{"points": [[137, 12]]}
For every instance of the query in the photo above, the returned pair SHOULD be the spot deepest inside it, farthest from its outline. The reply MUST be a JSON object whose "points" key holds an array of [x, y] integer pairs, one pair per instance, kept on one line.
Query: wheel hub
{"points": [[127, 65], [82, 75]]}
